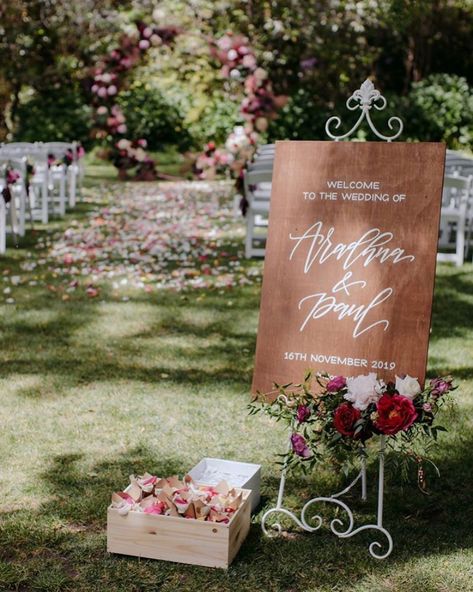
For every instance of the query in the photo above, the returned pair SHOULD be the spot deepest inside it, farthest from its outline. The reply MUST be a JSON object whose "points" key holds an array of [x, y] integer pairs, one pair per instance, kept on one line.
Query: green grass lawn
{"points": [[94, 389]]}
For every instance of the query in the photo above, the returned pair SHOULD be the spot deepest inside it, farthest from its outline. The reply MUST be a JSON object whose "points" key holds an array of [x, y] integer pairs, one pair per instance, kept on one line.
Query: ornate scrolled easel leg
{"points": [[276, 528], [376, 547], [337, 525]]}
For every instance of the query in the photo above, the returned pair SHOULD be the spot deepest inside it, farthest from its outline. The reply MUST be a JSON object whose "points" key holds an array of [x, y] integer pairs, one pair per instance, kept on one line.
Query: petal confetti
{"points": [[173, 497], [176, 236]]}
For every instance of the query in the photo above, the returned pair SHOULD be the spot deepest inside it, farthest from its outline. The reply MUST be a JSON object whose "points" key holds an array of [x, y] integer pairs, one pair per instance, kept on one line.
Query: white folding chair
{"points": [[38, 198], [463, 167], [62, 175], [3, 219], [19, 199], [455, 218], [257, 188]]}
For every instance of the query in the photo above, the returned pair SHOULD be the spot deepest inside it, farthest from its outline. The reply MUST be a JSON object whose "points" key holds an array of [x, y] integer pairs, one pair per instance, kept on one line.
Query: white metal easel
{"points": [[365, 98]]}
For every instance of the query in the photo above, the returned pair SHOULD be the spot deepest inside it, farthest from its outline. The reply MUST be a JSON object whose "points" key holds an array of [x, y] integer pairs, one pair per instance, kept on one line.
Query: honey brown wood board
{"points": [[350, 260]]}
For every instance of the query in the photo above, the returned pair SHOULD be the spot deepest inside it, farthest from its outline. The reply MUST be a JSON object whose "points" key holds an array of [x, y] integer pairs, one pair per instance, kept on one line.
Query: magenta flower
{"points": [[440, 386], [303, 413], [12, 176], [337, 383], [299, 445]]}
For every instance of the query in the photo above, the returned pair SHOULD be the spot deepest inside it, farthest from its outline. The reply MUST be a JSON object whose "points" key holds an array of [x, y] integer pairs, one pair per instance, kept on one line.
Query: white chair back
{"points": [[455, 219]]}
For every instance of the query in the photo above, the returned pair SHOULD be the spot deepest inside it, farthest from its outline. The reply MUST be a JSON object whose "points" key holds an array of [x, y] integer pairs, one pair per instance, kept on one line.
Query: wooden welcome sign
{"points": [[350, 260]]}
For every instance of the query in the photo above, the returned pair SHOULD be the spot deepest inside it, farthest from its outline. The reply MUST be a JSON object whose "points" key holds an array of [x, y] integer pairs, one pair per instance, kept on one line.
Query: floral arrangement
{"points": [[173, 497], [342, 414], [67, 159], [131, 155], [238, 62], [259, 105], [109, 78], [229, 160], [11, 177], [212, 162]]}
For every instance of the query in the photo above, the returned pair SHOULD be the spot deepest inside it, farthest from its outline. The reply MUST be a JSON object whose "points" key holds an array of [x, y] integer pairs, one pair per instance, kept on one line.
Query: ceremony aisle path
{"points": [[128, 333]]}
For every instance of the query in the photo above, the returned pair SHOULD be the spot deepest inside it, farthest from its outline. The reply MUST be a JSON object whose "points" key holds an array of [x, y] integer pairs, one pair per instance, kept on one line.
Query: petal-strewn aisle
{"points": [[176, 236]]}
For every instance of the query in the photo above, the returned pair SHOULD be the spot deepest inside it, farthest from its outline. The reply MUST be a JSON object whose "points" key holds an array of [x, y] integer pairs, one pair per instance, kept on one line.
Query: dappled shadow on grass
{"points": [[66, 534], [51, 331], [41, 339], [39, 231], [59, 543]]}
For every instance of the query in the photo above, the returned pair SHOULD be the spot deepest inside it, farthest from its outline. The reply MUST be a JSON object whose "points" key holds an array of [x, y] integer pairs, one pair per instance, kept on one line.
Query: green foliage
{"points": [[58, 113], [151, 116], [302, 118], [217, 119], [315, 52], [440, 108]]}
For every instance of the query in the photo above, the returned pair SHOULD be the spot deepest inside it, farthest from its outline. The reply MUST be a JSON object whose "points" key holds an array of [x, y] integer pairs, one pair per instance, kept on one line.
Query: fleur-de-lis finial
{"points": [[365, 98]]}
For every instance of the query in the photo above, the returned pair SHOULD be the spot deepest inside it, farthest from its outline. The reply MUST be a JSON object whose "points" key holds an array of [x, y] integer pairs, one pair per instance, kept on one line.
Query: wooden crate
{"points": [[179, 539]]}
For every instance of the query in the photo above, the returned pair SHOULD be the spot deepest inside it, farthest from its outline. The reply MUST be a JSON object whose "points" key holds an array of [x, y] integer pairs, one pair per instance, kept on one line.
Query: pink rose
{"points": [[337, 383]]}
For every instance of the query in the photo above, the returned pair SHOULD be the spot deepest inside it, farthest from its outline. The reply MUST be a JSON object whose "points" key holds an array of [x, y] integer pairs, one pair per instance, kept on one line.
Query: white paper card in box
{"points": [[209, 471]]}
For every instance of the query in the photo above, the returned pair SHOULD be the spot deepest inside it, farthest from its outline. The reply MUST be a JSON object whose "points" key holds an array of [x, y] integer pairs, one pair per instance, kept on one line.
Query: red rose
{"points": [[395, 413], [344, 419]]}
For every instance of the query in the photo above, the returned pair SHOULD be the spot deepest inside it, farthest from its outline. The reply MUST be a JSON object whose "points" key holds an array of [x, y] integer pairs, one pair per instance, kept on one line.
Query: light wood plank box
{"points": [[179, 539]]}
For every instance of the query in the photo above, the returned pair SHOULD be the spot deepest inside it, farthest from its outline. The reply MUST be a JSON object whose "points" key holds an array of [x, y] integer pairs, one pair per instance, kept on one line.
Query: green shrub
{"points": [[216, 120], [302, 118], [58, 113], [440, 108], [151, 116]]}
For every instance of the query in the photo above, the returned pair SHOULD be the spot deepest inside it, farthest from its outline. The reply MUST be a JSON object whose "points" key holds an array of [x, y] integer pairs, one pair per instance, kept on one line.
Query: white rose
{"points": [[363, 390], [123, 144], [408, 387], [140, 154]]}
